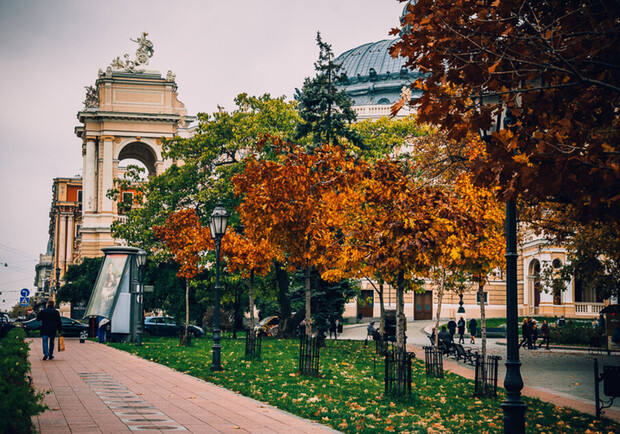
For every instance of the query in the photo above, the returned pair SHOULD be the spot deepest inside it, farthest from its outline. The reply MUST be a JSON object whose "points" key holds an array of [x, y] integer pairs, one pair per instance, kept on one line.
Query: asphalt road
{"points": [[563, 372]]}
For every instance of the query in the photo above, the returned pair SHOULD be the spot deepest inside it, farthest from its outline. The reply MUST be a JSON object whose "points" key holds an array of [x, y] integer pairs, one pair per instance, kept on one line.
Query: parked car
{"points": [[5, 324], [167, 326], [70, 327], [268, 326]]}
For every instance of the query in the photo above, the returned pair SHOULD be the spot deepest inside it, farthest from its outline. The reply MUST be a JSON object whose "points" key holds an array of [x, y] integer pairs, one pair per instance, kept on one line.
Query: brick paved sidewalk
{"points": [[98, 389]]}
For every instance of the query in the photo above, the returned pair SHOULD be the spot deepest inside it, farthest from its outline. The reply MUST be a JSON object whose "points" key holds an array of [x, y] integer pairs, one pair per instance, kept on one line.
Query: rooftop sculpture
{"points": [[143, 54]]}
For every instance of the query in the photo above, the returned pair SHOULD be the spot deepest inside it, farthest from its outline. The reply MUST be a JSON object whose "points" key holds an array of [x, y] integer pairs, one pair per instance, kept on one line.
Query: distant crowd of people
{"points": [[447, 335], [530, 332]]}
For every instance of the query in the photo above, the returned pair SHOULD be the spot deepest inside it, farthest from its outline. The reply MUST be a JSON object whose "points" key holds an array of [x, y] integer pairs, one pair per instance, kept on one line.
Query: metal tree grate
{"points": [[309, 355], [252, 345], [486, 376], [433, 362], [398, 372]]}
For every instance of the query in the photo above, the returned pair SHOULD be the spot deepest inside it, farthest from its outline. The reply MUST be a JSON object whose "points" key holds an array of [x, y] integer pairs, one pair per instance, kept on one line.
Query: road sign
{"points": [[25, 292], [24, 301]]}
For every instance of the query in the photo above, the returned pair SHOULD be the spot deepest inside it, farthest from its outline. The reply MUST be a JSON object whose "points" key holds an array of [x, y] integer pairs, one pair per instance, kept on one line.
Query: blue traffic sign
{"points": [[25, 292], [24, 301]]}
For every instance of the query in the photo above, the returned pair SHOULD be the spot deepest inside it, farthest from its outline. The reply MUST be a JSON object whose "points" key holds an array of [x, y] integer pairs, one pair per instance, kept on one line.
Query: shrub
{"points": [[18, 399], [575, 333]]}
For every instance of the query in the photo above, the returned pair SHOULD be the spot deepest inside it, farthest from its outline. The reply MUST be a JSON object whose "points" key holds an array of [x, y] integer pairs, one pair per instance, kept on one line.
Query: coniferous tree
{"points": [[325, 111]]}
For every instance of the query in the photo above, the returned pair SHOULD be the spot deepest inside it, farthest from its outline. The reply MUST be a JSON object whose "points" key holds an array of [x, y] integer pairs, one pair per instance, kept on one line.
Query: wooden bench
{"points": [[466, 354]]}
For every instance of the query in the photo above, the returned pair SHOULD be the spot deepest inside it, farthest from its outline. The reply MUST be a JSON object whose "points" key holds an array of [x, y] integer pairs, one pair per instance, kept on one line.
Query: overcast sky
{"points": [[51, 49]]}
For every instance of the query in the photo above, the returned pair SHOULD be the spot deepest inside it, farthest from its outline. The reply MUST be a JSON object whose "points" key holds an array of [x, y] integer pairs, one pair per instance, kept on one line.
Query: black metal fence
{"points": [[398, 372], [253, 342], [433, 362], [486, 376], [381, 346], [309, 355]]}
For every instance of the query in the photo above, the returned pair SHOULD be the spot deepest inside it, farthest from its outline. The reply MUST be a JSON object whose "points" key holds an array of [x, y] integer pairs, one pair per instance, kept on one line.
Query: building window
{"points": [[79, 198]]}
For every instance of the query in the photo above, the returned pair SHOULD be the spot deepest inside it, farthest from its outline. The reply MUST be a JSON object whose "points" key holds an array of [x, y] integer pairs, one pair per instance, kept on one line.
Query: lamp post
{"points": [[461, 308], [514, 408], [217, 225], [140, 263], [57, 283]]}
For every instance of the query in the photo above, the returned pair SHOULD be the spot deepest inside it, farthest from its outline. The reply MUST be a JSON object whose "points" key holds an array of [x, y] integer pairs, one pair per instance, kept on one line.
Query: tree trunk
{"points": [[237, 306], [308, 301], [440, 291], [283, 299], [185, 340], [251, 295], [400, 311], [382, 307], [483, 332]]}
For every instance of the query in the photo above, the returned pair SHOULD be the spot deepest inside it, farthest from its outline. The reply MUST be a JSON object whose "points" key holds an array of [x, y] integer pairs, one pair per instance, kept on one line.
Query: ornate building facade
{"points": [[126, 114]]}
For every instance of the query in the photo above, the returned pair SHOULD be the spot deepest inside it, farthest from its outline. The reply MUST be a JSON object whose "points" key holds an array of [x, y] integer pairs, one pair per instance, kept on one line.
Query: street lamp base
{"points": [[514, 417]]}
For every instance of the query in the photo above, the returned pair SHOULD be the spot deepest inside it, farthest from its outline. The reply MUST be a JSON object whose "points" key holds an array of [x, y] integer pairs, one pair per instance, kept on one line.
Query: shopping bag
{"points": [[61, 343]]}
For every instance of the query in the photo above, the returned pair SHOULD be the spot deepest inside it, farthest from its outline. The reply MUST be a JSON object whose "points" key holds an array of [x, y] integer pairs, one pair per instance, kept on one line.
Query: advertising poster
{"points": [[106, 289]]}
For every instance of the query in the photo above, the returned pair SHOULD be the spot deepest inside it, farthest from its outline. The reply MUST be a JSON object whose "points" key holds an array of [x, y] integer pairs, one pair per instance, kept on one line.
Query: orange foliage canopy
{"points": [[246, 256], [284, 200], [393, 222], [184, 236]]}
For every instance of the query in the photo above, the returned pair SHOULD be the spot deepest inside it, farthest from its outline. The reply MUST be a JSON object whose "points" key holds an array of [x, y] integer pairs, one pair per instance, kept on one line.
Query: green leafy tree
{"points": [[80, 280]]}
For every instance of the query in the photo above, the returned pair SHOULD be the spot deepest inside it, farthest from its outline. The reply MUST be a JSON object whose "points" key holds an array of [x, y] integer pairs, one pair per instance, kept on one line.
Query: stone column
{"points": [[62, 240], [107, 173], [89, 178], [70, 238]]}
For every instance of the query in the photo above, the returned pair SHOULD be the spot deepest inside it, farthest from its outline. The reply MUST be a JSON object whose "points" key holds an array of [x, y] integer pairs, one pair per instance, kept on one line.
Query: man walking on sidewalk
{"points": [[50, 324]]}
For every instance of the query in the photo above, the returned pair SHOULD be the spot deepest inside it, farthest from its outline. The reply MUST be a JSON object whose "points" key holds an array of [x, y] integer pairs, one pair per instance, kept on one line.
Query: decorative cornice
{"points": [[107, 138], [100, 115]]}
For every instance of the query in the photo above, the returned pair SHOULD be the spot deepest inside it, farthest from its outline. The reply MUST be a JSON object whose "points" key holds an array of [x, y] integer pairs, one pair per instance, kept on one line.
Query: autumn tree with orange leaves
{"points": [[283, 203], [249, 258], [185, 238]]}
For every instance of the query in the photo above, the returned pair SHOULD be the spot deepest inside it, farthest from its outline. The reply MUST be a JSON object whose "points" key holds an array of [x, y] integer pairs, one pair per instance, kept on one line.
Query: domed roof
{"points": [[375, 55], [373, 77]]}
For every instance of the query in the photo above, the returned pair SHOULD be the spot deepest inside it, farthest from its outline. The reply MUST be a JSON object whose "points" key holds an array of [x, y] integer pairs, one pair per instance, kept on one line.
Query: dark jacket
{"points": [[473, 325], [461, 326], [452, 326], [50, 321]]}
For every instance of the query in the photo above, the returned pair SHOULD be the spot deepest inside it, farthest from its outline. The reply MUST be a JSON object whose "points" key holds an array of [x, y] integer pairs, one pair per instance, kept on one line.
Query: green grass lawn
{"points": [[348, 396]]}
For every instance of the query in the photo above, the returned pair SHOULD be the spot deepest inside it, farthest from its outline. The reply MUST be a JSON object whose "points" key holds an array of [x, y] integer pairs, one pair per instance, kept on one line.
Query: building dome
{"points": [[372, 77]]}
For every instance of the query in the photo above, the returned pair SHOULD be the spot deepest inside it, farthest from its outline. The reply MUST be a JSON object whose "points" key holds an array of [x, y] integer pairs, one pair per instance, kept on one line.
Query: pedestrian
{"points": [[534, 333], [562, 321], [333, 328], [445, 336], [370, 330], [452, 328], [525, 333], [530, 324], [473, 325], [50, 324], [545, 333], [461, 328]]}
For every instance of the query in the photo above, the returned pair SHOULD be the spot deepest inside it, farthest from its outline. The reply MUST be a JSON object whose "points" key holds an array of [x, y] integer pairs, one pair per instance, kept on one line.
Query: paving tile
{"points": [[99, 389]]}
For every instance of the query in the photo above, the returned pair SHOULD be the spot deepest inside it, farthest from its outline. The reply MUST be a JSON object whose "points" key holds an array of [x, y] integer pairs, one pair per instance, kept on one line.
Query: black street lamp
{"points": [[461, 308], [140, 263], [514, 408], [217, 225]]}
